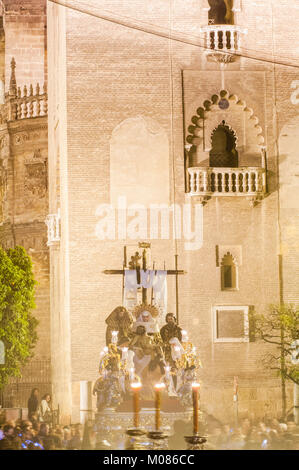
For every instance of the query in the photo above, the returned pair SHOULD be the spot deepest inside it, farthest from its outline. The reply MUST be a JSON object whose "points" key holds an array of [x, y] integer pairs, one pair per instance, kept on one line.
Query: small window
{"points": [[230, 324], [2, 353], [229, 273]]}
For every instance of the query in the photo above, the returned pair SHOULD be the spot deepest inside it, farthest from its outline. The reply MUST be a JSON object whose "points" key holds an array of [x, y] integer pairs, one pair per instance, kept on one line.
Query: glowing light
{"points": [[195, 385], [136, 385], [160, 386]]}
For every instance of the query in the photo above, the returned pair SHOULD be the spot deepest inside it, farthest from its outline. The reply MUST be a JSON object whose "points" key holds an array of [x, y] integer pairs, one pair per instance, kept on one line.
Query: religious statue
{"points": [[119, 320], [143, 348], [167, 332], [146, 320], [98, 390], [135, 262], [185, 388], [148, 360], [108, 387], [146, 315]]}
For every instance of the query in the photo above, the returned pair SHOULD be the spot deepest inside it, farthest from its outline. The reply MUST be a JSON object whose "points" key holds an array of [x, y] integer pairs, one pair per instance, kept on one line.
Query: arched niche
{"points": [[241, 118], [139, 162], [229, 273]]}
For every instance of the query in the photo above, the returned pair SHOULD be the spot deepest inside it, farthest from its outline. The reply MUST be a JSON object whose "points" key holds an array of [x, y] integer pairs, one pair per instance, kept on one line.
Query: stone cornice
{"points": [[35, 225], [25, 125]]}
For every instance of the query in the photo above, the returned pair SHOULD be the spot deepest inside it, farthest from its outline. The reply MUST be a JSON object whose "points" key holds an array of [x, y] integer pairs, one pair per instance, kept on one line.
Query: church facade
{"points": [[185, 108]]}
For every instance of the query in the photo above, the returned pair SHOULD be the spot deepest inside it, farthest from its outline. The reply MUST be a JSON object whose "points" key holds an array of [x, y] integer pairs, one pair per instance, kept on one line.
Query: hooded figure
{"points": [[119, 320], [145, 319]]}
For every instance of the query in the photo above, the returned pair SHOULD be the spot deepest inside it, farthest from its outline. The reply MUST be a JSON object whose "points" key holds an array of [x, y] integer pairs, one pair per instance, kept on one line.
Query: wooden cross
{"points": [[135, 263]]}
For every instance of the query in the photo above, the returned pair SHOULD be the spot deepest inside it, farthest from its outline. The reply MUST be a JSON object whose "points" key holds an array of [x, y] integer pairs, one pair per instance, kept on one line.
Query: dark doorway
{"points": [[221, 12], [223, 153]]}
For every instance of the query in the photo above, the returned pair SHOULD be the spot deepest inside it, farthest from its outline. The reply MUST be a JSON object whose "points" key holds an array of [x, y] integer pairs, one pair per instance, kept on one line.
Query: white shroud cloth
{"points": [[130, 290]]}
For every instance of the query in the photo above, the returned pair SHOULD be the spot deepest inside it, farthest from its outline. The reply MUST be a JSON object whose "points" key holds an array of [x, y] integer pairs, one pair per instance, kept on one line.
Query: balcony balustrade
{"points": [[223, 39], [30, 102], [244, 181]]}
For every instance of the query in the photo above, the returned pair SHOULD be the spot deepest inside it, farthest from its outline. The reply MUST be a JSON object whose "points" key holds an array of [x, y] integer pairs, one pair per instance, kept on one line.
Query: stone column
{"points": [[85, 401]]}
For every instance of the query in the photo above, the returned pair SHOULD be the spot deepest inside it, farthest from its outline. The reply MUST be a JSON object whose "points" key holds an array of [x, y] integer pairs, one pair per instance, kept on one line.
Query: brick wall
{"points": [[25, 33], [114, 73]]}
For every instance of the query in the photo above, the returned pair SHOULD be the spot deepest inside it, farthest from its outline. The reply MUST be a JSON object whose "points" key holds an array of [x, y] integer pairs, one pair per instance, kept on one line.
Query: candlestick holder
{"points": [[195, 442], [136, 439], [159, 440]]}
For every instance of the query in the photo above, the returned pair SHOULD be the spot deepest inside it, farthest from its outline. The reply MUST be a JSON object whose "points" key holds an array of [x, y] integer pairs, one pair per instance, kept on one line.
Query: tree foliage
{"points": [[280, 327], [17, 324]]}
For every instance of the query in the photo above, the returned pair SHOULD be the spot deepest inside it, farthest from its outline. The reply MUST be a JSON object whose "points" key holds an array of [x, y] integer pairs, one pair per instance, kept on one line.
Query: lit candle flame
{"points": [[136, 385], [195, 385], [160, 386]]}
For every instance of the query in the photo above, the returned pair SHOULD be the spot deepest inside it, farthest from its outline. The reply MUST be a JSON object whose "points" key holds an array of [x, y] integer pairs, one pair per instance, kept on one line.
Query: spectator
{"points": [[43, 435], [76, 440], [33, 403], [67, 436], [45, 412], [8, 442]]}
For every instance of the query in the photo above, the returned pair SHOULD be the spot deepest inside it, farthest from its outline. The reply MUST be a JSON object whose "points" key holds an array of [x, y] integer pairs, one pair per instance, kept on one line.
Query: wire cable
{"points": [[161, 32]]}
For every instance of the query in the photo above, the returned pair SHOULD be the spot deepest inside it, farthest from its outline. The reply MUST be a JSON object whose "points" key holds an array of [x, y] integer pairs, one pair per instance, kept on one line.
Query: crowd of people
{"points": [[39, 431], [264, 435], [270, 434], [25, 435]]}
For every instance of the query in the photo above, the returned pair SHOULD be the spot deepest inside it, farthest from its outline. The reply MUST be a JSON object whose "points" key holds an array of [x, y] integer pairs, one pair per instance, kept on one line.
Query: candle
{"points": [[114, 337], [132, 373], [158, 390], [136, 386], [167, 371], [124, 356], [184, 336], [195, 395]]}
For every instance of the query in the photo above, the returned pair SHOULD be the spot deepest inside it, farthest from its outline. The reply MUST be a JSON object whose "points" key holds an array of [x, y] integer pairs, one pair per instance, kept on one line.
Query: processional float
{"points": [[144, 363]]}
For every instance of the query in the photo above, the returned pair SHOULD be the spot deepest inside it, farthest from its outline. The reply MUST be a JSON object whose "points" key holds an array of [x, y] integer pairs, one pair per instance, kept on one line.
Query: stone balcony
{"points": [[223, 42], [30, 102], [53, 223], [207, 182]]}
